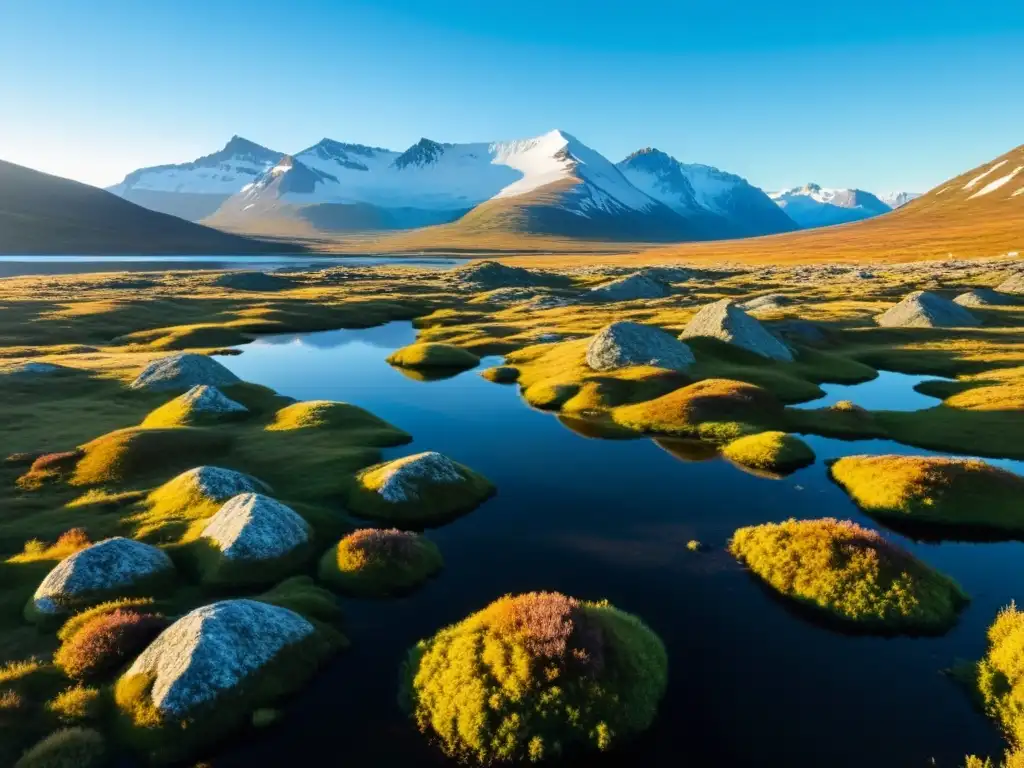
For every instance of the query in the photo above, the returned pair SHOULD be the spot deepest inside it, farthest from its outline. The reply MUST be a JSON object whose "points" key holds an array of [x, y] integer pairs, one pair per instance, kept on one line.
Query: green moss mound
{"points": [[359, 426], [843, 419], [770, 451], [534, 677], [418, 490], [501, 374], [377, 563], [433, 355], [717, 409], [67, 748], [934, 491], [850, 574], [130, 453], [998, 678]]}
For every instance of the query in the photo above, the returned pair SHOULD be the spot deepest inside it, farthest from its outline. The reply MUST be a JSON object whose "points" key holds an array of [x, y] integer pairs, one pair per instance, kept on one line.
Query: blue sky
{"points": [[880, 95]]}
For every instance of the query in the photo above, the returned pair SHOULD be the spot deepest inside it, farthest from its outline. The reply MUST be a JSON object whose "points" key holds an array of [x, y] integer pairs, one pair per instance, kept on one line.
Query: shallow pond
{"points": [[15, 266], [751, 683], [889, 391]]}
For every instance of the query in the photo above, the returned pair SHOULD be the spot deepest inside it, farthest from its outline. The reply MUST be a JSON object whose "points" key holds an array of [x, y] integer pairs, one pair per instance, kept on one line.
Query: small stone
{"points": [[631, 288], [982, 297], [922, 309]]}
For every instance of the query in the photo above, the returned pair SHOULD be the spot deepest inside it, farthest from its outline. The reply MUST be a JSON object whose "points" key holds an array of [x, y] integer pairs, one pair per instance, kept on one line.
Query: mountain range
{"points": [[551, 185], [815, 206], [44, 214]]}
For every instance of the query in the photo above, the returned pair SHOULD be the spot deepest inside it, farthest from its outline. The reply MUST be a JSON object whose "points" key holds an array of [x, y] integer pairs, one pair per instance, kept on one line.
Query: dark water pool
{"points": [[888, 391], [751, 683]]}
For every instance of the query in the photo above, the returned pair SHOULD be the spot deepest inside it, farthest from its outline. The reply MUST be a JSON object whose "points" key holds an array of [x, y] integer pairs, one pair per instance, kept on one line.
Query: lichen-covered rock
{"points": [[183, 371], [1014, 283], [212, 650], [213, 483], [204, 398], [422, 488], [97, 572], [630, 288], [29, 369], [488, 275], [922, 309], [982, 297], [726, 322], [254, 527], [623, 344], [766, 303]]}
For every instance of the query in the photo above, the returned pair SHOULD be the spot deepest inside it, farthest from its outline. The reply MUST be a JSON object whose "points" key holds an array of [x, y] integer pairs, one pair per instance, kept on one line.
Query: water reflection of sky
{"points": [[889, 391], [751, 683]]}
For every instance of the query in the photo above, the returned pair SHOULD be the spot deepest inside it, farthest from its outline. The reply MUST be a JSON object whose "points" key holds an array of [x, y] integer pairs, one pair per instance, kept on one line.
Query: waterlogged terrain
{"points": [[610, 519], [645, 419]]}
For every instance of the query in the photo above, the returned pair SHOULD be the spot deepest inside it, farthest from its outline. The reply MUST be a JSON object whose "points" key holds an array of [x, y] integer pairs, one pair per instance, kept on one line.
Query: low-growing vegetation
{"points": [[770, 451], [851, 574], [376, 563]]}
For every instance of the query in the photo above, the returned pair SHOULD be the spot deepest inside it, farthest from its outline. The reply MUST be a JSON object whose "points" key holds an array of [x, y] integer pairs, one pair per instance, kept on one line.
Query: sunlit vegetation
{"points": [[849, 573], [106, 642], [68, 748], [533, 677], [376, 563], [433, 355], [770, 451], [933, 490]]}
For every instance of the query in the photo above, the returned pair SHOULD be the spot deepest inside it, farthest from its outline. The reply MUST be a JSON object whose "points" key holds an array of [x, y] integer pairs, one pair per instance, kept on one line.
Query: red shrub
{"points": [[107, 642], [55, 462]]}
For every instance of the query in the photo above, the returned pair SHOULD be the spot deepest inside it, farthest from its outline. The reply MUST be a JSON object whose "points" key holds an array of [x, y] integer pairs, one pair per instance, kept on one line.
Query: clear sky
{"points": [[882, 95]]}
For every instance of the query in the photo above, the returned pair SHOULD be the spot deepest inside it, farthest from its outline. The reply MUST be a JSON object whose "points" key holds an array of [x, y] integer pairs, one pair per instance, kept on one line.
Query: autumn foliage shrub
{"points": [[375, 562], [107, 642], [535, 676]]}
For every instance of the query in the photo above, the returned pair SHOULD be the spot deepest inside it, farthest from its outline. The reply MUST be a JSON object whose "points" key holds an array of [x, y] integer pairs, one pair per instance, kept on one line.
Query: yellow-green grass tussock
{"points": [[850, 574], [377, 563], [77, 704], [934, 491], [770, 451], [67, 748], [433, 355], [998, 678], [359, 425], [534, 677]]}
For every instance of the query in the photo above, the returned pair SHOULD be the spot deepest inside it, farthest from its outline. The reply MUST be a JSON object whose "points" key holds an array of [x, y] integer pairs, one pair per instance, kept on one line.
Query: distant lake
{"points": [[751, 683], [15, 266]]}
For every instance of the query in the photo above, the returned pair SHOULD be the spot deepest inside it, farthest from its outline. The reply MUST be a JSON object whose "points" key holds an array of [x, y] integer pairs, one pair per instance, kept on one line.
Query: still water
{"points": [[750, 682], [16, 266]]}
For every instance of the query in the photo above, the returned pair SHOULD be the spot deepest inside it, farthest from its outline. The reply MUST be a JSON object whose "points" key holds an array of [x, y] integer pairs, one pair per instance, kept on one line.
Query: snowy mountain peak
{"points": [[423, 152], [896, 199], [813, 205]]}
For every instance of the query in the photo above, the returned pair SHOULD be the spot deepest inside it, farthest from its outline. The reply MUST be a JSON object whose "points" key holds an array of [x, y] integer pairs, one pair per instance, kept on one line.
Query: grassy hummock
{"points": [[998, 678], [433, 355], [106, 642], [359, 425], [501, 374], [934, 491], [421, 500], [534, 677], [850, 574], [378, 563], [770, 451], [715, 409], [67, 748]]}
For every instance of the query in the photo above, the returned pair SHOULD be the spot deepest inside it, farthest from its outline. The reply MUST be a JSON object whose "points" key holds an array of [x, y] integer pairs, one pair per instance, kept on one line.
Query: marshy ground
{"points": [[72, 344]]}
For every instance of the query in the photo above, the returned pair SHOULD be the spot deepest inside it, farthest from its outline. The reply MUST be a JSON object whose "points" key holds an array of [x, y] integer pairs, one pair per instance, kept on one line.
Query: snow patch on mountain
{"points": [[815, 206], [973, 182], [994, 185]]}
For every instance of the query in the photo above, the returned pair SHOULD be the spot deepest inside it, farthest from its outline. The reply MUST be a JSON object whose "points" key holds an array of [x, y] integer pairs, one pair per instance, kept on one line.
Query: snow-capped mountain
{"points": [[814, 206], [722, 204], [896, 199], [195, 190], [337, 186]]}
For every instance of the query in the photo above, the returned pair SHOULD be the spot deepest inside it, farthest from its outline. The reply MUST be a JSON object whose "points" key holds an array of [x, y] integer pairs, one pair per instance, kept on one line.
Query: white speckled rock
{"points": [[726, 322], [766, 303], [982, 297], [922, 309], [183, 371], [630, 288], [29, 369], [214, 483], [213, 649], [1012, 284], [100, 568], [623, 344], [204, 398], [252, 526], [404, 478]]}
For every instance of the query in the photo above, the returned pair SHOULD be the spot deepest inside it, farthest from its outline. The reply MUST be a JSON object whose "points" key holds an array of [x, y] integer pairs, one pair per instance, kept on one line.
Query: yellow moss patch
{"points": [[67, 543], [849, 573], [999, 676], [76, 704], [433, 355], [723, 407], [360, 426], [126, 453], [934, 490], [770, 451]]}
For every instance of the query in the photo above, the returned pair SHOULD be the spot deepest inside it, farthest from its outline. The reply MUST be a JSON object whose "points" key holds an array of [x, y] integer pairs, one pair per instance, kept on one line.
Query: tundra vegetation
{"points": [[95, 451]]}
